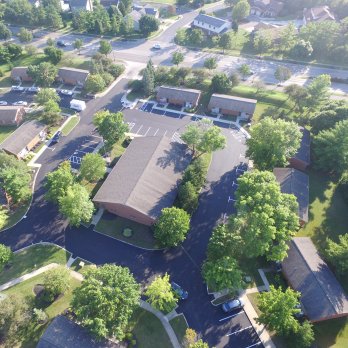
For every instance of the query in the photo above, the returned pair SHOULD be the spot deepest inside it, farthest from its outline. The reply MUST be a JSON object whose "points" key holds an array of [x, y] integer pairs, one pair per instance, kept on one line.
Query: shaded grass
{"points": [[132, 95], [332, 333], [70, 125], [15, 216], [250, 266], [5, 131], [33, 258], [77, 268], [179, 326]]}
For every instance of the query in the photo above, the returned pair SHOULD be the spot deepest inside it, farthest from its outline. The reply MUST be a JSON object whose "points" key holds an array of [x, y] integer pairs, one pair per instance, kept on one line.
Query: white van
{"points": [[78, 105]]}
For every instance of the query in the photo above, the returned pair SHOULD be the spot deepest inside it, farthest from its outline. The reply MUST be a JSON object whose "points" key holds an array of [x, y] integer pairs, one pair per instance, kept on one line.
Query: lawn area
{"points": [[332, 333], [179, 326], [75, 62], [117, 151], [249, 267], [33, 258], [5, 131], [32, 334], [70, 125], [132, 95], [77, 268], [15, 216], [148, 330], [113, 226]]}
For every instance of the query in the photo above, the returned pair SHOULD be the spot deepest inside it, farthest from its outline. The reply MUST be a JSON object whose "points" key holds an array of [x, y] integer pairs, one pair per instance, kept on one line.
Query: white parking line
{"points": [[231, 316], [130, 125], [246, 328], [139, 129], [165, 133], [147, 132], [231, 199], [156, 131], [96, 136], [253, 345]]}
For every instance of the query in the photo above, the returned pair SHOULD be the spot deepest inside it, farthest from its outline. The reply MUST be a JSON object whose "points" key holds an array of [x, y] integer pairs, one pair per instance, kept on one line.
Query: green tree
{"points": [[337, 253], [127, 25], [3, 217], [105, 301], [51, 113], [188, 197], [148, 80], [53, 54], [148, 24], [94, 83], [191, 340], [76, 205], [111, 126], [50, 42], [45, 95], [58, 182], [196, 37], [288, 37], [177, 58], [161, 295], [240, 10], [210, 63], [5, 32], [262, 42], [297, 94], [304, 336], [196, 172], [78, 43], [319, 91], [222, 273], [172, 226], [282, 73], [105, 47], [56, 281], [277, 310], [203, 137], [5, 255], [43, 74], [92, 167], [227, 41], [273, 142], [220, 83], [39, 316], [25, 35], [31, 50], [244, 70]]}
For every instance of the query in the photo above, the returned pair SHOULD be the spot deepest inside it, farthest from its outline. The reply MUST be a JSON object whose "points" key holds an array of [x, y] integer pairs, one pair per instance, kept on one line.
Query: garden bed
{"points": [[179, 326]]}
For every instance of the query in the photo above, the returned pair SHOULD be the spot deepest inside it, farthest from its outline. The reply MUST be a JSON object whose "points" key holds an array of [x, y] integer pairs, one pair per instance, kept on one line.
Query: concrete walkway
{"points": [[97, 216]]}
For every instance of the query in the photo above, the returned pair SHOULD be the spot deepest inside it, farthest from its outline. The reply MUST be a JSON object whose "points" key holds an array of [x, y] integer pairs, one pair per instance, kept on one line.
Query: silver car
{"points": [[233, 305]]}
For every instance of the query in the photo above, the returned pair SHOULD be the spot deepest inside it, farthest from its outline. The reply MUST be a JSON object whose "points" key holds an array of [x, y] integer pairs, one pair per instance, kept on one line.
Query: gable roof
{"points": [[292, 181], [303, 153], [210, 20], [146, 176], [79, 4], [321, 294], [8, 113], [268, 5], [186, 94], [73, 74], [22, 136], [319, 14], [229, 102], [19, 71], [135, 15], [63, 333]]}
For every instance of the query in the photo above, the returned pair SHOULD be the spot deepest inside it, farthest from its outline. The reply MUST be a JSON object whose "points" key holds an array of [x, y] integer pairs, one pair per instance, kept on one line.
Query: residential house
{"points": [[145, 179], [292, 181], [20, 74], [24, 138], [302, 158], [64, 333], [135, 16], [72, 76], [266, 8], [178, 96], [146, 10], [108, 3], [233, 106], [211, 25], [11, 115], [79, 5], [322, 296], [317, 14]]}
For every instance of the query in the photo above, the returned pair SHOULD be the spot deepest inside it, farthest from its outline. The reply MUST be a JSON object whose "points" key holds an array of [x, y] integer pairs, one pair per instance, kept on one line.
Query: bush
{"points": [[39, 315], [136, 85], [116, 70], [108, 78], [195, 173], [188, 197]]}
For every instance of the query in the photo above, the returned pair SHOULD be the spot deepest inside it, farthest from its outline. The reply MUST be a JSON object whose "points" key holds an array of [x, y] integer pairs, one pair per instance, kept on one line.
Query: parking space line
{"points": [[231, 199], [147, 132], [255, 344], [165, 133], [156, 131], [246, 328], [139, 129], [231, 316]]}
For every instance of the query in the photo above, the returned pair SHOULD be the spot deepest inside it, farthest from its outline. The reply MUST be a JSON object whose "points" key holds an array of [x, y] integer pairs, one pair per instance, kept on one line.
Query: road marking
{"points": [[139, 129], [241, 156], [96, 136], [147, 132], [231, 199], [253, 345], [234, 184], [246, 328], [130, 125], [231, 316], [156, 131], [165, 133]]}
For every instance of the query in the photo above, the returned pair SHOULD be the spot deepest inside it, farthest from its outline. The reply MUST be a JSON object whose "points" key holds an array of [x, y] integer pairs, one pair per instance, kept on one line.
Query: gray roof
{"points": [[8, 113], [210, 20], [77, 4], [22, 136], [303, 153], [229, 102], [292, 181], [135, 15], [186, 94], [63, 333], [322, 295], [73, 74], [19, 71], [146, 176]]}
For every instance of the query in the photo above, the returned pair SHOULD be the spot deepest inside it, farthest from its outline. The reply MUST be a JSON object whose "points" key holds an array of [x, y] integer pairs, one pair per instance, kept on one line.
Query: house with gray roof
{"points": [[145, 179], [79, 5], [293, 181], [266, 8], [302, 158], [63, 333], [322, 295], [211, 25], [231, 105], [24, 138], [178, 96], [318, 14], [72, 76], [11, 115], [135, 16], [20, 74]]}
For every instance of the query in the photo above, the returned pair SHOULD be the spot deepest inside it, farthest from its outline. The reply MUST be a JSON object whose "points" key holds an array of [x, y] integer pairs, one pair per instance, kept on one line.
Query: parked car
{"points": [[300, 314], [62, 43], [34, 89], [3, 102], [66, 92], [232, 305], [179, 291], [17, 89], [156, 46], [55, 139], [20, 103]]}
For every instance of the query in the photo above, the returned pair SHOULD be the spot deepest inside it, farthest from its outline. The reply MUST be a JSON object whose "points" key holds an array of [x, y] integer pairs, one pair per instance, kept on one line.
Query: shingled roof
{"points": [[303, 153], [292, 181], [20, 72], [8, 114], [210, 20], [146, 176], [229, 102], [321, 294], [186, 94], [66, 73]]}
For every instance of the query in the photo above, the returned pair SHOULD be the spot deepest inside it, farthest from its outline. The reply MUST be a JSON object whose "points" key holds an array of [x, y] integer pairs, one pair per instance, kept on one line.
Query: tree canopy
{"points": [[92, 167], [43, 74], [5, 255], [105, 47], [56, 282], [177, 58], [45, 95], [148, 24], [240, 10], [337, 253], [53, 54]]}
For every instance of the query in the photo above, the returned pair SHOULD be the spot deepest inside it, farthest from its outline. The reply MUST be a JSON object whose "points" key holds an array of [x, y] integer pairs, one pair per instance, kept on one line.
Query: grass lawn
{"points": [[117, 151], [179, 326], [113, 226], [148, 330], [70, 125], [33, 258], [15, 216], [5, 131], [77, 268], [332, 333], [132, 95], [250, 267]]}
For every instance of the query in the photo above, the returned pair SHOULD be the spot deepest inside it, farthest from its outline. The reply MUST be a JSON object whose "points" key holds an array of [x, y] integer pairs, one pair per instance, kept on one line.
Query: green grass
{"points": [[332, 333], [15, 216], [113, 226], [70, 125], [249, 267], [117, 151], [254, 300], [148, 330], [5, 131], [75, 62], [179, 326], [33, 258], [77, 268], [132, 95]]}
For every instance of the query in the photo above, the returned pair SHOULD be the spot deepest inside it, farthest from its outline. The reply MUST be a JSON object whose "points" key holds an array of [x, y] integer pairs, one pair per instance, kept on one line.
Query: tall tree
{"points": [[227, 41], [318, 91], [105, 47], [92, 167], [5, 32], [288, 37], [148, 79], [94, 83], [240, 10], [273, 142], [56, 281], [51, 113], [43, 74], [45, 95], [220, 83], [5, 255], [148, 24], [337, 253], [262, 42], [297, 94], [106, 300], [25, 35], [177, 58], [282, 73], [53, 54]]}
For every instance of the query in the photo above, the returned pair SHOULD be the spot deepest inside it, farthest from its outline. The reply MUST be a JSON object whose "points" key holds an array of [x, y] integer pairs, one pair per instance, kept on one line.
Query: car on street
{"points": [[179, 291], [34, 89], [233, 305], [62, 43], [17, 89], [156, 46], [3, 102], [20, 103], [55, 139], [66, 92]]}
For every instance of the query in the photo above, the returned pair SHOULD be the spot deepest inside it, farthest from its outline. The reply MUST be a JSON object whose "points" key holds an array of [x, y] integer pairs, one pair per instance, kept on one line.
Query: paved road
{"points": [[43, 223]]}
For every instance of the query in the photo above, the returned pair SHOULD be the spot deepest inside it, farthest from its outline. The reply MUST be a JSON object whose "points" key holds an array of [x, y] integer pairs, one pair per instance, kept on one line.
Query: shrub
{"points": [[116, 70]]}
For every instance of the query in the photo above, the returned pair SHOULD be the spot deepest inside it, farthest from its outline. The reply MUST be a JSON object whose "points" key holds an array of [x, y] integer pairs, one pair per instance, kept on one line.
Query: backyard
{"points": [[5, 131]]}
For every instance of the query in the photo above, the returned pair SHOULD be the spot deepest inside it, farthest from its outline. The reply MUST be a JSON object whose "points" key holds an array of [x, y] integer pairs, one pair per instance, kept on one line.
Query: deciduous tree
{"points": [[51, 113], [337, 253], [240, 10], [282, 73], [5, 32], [210, 63], [105, 47], [262, 42], [318, 91], [5, 255], [45, 95], [148, 24], [92, 167], [177, 58], [244, 70], [56, 281], [53, 54], [25, 35], [94, 83], [220, 83], [188, 197], [43, 74], [78, 43]]}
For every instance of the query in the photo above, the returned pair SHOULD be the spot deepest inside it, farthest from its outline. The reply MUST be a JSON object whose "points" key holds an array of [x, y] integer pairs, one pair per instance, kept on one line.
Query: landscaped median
{"points": [[70, 124]]}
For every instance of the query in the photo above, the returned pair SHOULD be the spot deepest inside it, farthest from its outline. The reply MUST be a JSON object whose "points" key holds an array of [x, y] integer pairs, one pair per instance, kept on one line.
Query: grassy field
{"points": [[33, 258], [70, 125], [77, 268], [5, 131], [179, 326], [14, 217], [113, 226]]}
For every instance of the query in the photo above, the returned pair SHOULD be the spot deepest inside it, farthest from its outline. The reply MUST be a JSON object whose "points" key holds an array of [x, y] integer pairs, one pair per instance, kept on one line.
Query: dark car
{"points": [[232, 305], [56, 137], [300, 314], [61, 43], [179, 291]]}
